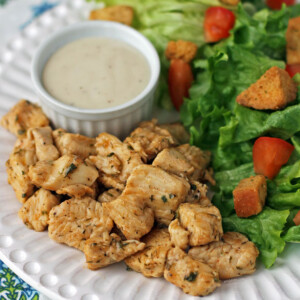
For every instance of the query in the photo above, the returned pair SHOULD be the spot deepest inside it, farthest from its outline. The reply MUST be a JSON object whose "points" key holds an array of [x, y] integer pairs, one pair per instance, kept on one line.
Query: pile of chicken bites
{"points": [[142, 200]]}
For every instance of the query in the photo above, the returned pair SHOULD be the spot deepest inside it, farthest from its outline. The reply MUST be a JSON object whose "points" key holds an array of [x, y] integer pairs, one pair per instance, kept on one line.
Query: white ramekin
{"points": [[118, 120]]}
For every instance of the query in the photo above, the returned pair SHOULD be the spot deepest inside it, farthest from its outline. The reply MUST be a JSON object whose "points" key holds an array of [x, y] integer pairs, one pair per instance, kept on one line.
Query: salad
{"points": [[251, 41]]}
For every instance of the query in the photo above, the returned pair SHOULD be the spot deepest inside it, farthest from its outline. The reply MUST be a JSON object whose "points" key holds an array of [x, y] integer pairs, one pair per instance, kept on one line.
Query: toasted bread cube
{"points": [[273, 90], [293, 41], [22, 116], [230, 2], [117, 13], [249, 196], [184, 50]]}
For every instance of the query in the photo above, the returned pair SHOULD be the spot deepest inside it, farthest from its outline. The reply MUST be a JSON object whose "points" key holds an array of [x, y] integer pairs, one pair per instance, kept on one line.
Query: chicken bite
{"points": [[198, 158], [118, 13], [233, 256], [109, 249], [203, 223], [192, 276], [17, 167], [130, 215], [198, 194], [75, 221], [178, 132], [115, 161], [179, 236], [22, 116], [151, 261], [149, 139], [66, 171], [293, 41], [45, 150], [35, 211], [249, 196], [109, 195], [161, 191], [273, 90], [79, 190], [76, 144], [180, 49]]}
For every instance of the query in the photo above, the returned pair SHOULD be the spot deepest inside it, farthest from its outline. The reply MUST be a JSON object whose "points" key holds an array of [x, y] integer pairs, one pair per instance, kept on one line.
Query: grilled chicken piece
{"points": [[198, 194], [109, 249], [22, 156], [185, 161], [35, 211], [233, 256], [193, 277], [70, 143], [179, 236], [109, 195], [66, 171], [197, 158], [80, 190], [204, 225], [149, 139], [178, 132], [74, 221], [22, 116], [160, 190], [172, 161], [152, 260], [45, 150], [115, 160], [130, 215]]}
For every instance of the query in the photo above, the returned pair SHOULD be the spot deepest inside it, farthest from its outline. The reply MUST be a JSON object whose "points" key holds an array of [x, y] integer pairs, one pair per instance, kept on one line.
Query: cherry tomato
{"points": [[297, 218], [218, 22], [277, 4], [293, 69], [270, 154], [180, 80]]}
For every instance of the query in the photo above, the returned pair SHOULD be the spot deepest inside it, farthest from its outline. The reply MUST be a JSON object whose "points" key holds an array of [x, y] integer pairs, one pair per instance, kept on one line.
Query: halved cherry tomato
{"points": [[218, 22], [270, 154], [277, 4], [297, 218], [293, 69], [180, 80]]}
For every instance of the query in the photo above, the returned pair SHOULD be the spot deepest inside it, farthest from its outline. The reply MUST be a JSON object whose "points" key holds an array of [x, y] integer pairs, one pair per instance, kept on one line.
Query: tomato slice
{"points": [[293, 69], [277, 4], [218, 22], [180, 80], [297, 218], [270, 154]]}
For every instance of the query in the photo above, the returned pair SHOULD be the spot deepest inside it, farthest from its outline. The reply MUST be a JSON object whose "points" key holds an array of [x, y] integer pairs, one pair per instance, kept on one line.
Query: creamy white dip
{"points": [[96, 73]]}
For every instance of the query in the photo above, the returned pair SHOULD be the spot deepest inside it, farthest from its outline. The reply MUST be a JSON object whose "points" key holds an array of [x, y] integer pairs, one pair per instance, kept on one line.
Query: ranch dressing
{"points": [[96, 73]]}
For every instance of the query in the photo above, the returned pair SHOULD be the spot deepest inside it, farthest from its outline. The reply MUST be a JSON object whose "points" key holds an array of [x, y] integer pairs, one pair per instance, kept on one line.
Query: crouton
{"points": [[273, 90], [117, 13], [230, 2], [293, 41], [22, 116], [184, 50], [249, 196]]}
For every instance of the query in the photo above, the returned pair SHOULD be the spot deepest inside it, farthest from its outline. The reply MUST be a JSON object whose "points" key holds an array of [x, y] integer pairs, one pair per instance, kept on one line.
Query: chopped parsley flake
{"points": [[192, 277], [110, 154], [71, 168], [193, 187], [164, 198]]}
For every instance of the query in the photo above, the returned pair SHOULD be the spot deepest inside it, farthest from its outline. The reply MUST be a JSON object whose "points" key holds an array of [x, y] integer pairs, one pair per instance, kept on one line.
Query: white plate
{"points": [[57, 270]]}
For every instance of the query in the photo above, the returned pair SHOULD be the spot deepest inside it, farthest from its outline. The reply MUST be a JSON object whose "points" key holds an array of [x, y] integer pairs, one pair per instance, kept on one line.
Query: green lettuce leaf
{"points": [[264, 230]]}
